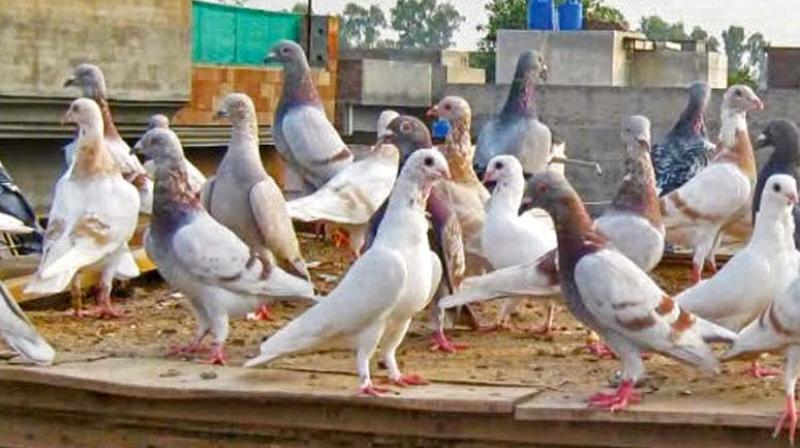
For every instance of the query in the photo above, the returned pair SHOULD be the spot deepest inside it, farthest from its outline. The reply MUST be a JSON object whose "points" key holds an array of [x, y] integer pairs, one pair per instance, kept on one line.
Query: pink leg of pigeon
{"points": [[625, 395], [441, 343], [263, 313], [104, 310], [697, 274], [196, 346], [600, 350], [758, 371], [548, 326], [218, 356], [788, 419], [410, 379]]}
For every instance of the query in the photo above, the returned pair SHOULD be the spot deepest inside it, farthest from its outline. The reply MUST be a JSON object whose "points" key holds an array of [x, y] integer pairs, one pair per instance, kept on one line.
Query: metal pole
{"points": [[309, 13]]}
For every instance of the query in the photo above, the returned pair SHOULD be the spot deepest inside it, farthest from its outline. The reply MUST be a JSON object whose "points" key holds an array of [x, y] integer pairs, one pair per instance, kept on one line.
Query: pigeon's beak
{"points": [[432, 112], [490, 176], [527, 204], [138, 148], [792, 197], [70, 82], [271, 57], [758, 104], [67, 118], [220, 114], [762, 141], [445, 173], [644, 142], [544, 73], [384, 136]]}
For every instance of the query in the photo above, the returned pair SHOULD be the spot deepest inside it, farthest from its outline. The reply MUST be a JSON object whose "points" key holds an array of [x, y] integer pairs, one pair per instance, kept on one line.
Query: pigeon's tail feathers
{"points": [[698, 354], [50, 285], [126, 266], [36, 349], [711, 332]]}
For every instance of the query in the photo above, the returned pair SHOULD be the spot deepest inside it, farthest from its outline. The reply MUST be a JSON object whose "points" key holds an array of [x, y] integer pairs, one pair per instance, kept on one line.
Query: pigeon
{"points": [[93, 216], [351, 197], [89, 78], [201, 257], [732, 298], [373, 304], [386, 117], [516, 130], [10, 224], [777, 328], [719, 194], [245, 199], [608, 293], [508, 238], [20, 334], [784, 136], [633, 221], [27, 233], [686, 149], [303, 135], [196, 178]]}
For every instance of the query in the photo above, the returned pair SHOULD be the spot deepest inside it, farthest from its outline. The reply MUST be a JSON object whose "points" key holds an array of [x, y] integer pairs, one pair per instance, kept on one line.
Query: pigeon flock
{"points": [[433, 227]]}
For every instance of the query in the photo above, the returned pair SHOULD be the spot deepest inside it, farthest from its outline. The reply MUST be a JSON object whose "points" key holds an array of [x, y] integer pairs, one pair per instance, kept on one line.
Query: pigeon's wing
{"points": [[354, 194], [206, 192], [449, 240], [13, 202], [19, 332], [214, 255], [121, 152], [538, 278], [11, 224], [363, 298], [272, 218], [626, 301], [314, 143], [485, 147], [714, 194]]}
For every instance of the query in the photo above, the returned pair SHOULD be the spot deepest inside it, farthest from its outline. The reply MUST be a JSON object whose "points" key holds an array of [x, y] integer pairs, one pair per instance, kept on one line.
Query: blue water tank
{"points": [[570, 15], [542, 15]]}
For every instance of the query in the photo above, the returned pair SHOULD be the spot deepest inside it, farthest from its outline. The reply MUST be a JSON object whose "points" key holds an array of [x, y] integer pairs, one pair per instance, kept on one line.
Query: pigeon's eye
{"points": [[405, 127], [428, 161], [498, 165], [447, 106], [285, 50], [737, 92], [776, 188]]}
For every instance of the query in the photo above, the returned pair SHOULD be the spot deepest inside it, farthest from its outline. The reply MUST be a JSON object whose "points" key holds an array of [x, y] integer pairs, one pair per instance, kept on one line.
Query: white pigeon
{"points": [[633, 221], [200, 256], [394, 279], [777, 328], [10, 224], [19, 332], [94, 214], [196, 177], [611, 295], [508, 238], [384, 119], [352, 196], [89, 78], [695, 213], [747, 283]]}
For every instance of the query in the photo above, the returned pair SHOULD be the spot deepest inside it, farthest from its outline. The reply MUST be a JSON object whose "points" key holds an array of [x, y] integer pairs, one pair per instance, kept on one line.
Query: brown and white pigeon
{"points": [[202, 258], [516, 130], [393, 280], [777, 328], [720, 193], [633, 221], [244, 198], [93, 216], [755, 275], [196, 178], [89, 78], [303, 134], [611, 295]]}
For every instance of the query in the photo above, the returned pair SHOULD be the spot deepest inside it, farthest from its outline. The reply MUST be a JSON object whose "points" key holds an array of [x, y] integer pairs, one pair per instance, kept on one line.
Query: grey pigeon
{"points": [[633, 221], [517, 130], [610, 294], [784, 137], [686, 149], [89, 78], [93, 216], [14, 203], [201, 257], [303, 134], [374, 303], [196, 178], [245, 199]]}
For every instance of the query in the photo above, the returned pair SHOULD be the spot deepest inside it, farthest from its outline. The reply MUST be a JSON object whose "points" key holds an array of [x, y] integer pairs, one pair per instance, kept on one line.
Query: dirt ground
{"points": [[158, 318]]}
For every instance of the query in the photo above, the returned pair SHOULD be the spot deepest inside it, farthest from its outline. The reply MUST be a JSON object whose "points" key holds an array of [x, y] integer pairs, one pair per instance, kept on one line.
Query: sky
{"points": [[776, 19]]}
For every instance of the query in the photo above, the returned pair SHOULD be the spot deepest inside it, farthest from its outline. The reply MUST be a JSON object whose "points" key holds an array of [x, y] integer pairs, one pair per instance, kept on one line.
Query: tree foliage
{"points": [[734, 47], [656, 28], [427, 24], [746, 55], [300, 8], [698, 33], [361, 27]]}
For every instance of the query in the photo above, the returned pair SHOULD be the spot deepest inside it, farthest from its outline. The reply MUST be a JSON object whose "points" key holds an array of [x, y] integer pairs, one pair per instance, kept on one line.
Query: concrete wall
{"points": [[588, 118], [667, 68], [143, 46]]}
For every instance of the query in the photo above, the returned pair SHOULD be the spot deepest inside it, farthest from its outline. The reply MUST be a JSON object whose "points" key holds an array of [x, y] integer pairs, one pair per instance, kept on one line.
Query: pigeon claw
{"points": [[496, 327], [218, 357], [758, 371], [373, 391], [340, 238], [263, 313], [625, 395], [442, 344], [407, 380], [600, 350], [787, 420]]}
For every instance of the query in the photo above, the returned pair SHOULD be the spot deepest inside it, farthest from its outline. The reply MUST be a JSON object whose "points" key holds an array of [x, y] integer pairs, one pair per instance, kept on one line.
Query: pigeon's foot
{"points": [[549, 326], [711, 266], [697, 274], [340, 238], [263, 313], [500, 325], [77, 313], [410, 380], [188, 349], [625, 395], [442, 344], [787, 420], [218, 356], [600, 350], [373, 391], [758, 371], [105, 311]]}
